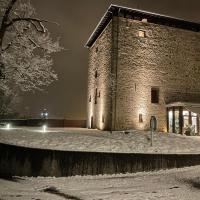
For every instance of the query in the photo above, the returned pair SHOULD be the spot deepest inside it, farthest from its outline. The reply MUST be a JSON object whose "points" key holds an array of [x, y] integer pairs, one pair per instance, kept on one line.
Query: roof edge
{"points": [[114, 10]]}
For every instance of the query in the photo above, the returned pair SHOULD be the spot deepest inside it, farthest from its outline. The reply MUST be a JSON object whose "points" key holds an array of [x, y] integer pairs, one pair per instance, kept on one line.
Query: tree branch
{"points": [[32, 41], [31, 20]]}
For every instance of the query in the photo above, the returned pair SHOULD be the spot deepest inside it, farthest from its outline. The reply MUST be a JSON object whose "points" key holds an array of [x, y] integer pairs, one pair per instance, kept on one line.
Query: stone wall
{"points": [[167, 58], [21, 161], [100, 63]]}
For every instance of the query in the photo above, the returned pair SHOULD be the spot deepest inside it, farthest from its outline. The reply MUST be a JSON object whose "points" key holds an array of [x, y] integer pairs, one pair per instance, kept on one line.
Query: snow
{"points": [[80, 139], [174, 184]]}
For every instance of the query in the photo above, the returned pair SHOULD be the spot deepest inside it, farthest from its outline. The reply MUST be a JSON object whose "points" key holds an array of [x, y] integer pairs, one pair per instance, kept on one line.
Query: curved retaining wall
{"points": [[20, 161], [49, 122]]}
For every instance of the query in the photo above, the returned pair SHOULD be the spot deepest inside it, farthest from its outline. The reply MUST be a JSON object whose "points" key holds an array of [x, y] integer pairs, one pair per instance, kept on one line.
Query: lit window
{"points": [[194, 114], [170, 123], [144, 20], [154, 95], [142, 34]]}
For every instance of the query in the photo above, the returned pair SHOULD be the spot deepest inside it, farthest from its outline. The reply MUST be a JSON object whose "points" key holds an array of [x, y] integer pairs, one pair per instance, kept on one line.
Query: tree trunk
{"points": [[5, 21]]}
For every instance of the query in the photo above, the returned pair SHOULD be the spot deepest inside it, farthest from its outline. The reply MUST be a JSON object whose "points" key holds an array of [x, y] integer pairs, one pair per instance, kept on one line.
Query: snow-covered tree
{"points": [[25, 51], [25, 47], [8, 103]]}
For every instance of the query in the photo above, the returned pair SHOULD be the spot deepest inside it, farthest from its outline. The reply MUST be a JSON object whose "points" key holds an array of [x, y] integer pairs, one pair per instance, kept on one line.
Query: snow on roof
{"points": [[120, 11]]}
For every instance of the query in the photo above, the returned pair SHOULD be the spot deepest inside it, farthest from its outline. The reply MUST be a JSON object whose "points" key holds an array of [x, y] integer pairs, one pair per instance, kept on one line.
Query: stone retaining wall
{"points": [[22, 161]]}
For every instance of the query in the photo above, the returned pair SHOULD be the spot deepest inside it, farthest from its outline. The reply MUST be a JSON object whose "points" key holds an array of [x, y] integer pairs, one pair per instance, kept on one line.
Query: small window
{"points": [[154, 95], [97, 49], [140, 118], [142, 34], [95, 97], [96, 74], [144, 20], [99, 95], [90, 98]]}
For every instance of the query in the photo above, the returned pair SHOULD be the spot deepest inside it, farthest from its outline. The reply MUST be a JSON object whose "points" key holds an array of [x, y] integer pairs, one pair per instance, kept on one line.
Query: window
{"points": [[142, 34], [154, 95], [177, 120], [144, 20], [96, 74], [194, 122], [140, 118], [90, 98], [99, 95], [170, 122], [97, 49], [185, 118], [95, 96]]}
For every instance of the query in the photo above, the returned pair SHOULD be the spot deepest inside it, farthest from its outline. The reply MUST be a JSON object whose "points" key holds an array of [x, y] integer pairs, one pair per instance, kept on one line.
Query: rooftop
{"points": [[120, 11]]}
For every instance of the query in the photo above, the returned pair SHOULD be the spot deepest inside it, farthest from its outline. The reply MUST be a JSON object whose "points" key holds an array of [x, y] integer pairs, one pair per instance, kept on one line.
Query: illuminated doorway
{"points": [[182, 121]]}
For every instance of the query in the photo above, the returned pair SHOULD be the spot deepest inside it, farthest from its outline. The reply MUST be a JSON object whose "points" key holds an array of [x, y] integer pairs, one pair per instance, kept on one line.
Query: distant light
{"points": [[44, 114], [7, 126], [44, 128]]}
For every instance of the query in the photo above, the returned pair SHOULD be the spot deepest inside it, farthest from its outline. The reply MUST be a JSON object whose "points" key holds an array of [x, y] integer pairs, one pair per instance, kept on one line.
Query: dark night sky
{"points": [[77, 19]]}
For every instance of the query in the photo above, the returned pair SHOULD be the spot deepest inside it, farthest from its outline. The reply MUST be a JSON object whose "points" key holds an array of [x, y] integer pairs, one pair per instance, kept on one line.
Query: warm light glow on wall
{"points": [[141, 113], [101, 113], [91, 113]]}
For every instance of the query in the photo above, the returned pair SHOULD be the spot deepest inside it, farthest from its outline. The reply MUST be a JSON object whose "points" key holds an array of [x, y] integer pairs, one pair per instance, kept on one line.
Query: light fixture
{"points": [[8, 126], [44, 128]]}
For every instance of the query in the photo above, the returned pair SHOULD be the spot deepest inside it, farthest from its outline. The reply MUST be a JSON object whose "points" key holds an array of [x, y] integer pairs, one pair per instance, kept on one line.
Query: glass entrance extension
{"points": [[182, 121]]}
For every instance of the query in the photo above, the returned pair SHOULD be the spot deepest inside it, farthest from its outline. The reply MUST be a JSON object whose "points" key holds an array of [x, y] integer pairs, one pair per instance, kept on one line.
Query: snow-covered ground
{"points": [[174, 184], [79, 139]]}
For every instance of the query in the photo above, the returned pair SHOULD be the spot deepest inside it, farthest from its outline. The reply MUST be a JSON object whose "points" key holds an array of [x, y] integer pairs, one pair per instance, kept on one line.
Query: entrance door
{"points": [[174, 118], [182, 121]]}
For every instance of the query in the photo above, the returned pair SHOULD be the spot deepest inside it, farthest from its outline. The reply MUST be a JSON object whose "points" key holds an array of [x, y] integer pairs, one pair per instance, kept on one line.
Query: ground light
{"points": [[44, 128], [8, 126]]}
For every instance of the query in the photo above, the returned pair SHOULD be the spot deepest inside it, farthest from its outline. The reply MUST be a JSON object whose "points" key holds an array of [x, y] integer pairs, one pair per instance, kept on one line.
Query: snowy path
{"points": [[77, 139], [174, 184]]}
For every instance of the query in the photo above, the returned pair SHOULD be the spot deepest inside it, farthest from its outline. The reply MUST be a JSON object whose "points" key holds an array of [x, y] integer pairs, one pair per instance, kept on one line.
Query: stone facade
{"points": [[99, 97], [128, 66]]}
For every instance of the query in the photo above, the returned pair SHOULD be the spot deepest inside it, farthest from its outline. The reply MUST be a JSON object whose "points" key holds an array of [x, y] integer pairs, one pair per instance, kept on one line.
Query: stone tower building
{"points": [[142, 64]]}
